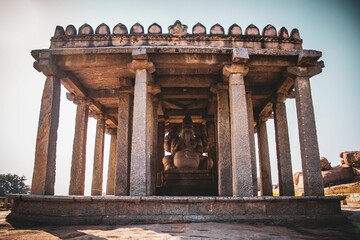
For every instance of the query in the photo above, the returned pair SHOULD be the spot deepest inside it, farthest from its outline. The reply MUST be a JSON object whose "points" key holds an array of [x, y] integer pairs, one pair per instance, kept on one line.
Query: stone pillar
{"points": [[240, 139], [78, 164], [223, 142], [286, 182], [241, 155], [313, 182], [97, 178], [264, 158], [210, 130], [140, 137], [160, 146], [143, 127], [43, 180], [110, 185], [150, 160], [252, 141], [123, 145], [154, 151]]}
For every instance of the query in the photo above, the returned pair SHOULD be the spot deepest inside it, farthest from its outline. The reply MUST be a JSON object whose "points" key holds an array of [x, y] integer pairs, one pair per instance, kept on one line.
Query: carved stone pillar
{"points": [[313, 183], [45, 154], [241, 155], [78, 163], [123, 148], [142, 141], [264, 158], [110, 185], [252, 141], [223, 142], [97, 179], [286, 182]]}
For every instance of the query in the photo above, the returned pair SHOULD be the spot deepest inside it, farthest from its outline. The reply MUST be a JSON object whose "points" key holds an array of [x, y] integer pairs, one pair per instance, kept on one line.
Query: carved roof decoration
{"points": [[177, 34]]}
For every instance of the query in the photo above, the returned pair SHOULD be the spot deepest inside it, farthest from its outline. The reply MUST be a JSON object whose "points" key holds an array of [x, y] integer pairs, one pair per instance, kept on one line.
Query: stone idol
{"points": [[186, 149]]}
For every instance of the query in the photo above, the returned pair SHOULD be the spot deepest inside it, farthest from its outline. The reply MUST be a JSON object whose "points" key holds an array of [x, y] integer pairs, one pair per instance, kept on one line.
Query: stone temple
{"points": [[199, 94]]}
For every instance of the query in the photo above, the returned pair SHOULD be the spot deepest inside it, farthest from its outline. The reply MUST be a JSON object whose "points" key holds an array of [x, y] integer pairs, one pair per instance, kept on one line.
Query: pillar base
{"points": [[80, 210]]}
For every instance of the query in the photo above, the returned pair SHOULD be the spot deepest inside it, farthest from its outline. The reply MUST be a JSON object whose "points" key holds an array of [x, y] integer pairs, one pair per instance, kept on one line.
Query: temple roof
{"points": [[188, 67]]}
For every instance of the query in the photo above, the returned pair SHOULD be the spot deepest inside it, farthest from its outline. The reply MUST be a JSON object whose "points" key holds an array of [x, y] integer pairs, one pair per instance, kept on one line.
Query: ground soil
{"points": [[211, 230]]}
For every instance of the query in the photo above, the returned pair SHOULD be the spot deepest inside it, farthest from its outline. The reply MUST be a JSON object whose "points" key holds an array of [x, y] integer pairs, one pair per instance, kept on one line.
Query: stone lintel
{"points": [[308, 57], [163, 49], [309, 71], [240, 55], [96, 109], [139, 54], [46, 65]]}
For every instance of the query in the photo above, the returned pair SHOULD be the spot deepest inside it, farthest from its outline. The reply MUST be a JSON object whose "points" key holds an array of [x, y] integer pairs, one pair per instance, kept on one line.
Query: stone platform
{"points": [[187, 183], [80, 210]]}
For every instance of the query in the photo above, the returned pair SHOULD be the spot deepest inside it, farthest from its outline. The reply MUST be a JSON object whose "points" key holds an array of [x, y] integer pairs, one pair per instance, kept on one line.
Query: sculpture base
{"points": [[186, 183], [80, 210]]}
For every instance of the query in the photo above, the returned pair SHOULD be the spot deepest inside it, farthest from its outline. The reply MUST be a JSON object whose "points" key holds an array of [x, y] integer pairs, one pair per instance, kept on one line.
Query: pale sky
{"points": [[325, 25]]}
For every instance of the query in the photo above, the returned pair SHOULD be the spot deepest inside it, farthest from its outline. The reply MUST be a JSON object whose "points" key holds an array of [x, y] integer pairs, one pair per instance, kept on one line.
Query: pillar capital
{"points": [[219, 87], [235, 68], [263, 118], [110, 131], [304, 71], [140, 65], [83, 101], [46, 65], [140, 61], [153, 89]]}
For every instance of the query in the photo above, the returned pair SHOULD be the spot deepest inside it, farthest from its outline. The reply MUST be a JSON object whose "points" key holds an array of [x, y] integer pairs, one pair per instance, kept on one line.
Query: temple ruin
{"points": [[199, 94]]}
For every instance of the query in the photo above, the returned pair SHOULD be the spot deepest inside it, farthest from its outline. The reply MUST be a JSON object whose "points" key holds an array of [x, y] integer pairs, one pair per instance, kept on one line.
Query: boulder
{"points": [[338, 175], [325, 164], [351, 158]]}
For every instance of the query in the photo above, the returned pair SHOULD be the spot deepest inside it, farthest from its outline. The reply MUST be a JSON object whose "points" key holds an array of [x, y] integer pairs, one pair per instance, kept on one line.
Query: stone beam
{"points": [[309, 71], [183, 93], [72, 84], [183, 80], [110, 93], [308, 57], [182, 112]]}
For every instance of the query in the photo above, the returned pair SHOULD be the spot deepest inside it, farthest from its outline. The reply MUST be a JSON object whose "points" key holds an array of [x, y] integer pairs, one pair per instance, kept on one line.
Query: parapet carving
{"points": [[177, 29], [85, 36]]}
